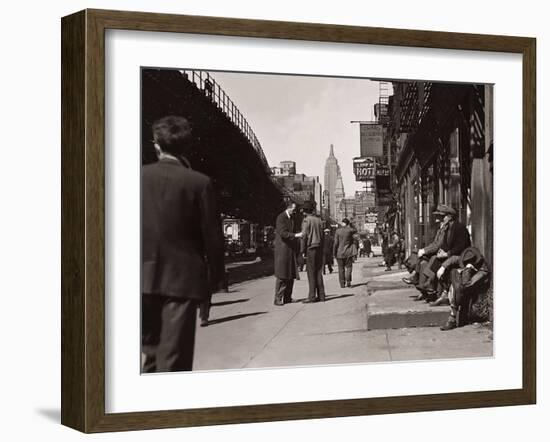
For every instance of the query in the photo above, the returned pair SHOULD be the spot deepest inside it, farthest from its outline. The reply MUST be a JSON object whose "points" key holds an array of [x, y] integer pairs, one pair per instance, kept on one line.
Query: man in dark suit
{"points": [[182, 249], [344, 250], [285, 255]]}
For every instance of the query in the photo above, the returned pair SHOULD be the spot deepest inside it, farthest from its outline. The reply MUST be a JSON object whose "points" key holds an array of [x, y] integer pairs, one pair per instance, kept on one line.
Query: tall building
{"points": [[333, 180], [339, 195], [288, 167], [306, 188]]}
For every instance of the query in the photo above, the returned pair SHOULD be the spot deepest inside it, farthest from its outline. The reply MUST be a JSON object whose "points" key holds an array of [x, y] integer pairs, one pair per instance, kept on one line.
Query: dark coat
{"points": [[344, 243], [457, 238], [327, 249], [368, 246], [182, 238], [285, 247]]}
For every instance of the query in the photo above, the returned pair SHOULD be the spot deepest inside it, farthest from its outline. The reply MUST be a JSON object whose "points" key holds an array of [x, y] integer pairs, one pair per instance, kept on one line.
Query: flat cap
{"points": [[442, 209]]}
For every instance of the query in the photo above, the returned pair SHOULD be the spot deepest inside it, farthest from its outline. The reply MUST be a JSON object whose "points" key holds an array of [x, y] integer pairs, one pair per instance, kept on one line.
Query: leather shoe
{"points": [[278, 302], [442, 300], [348, 284], [204, 322], [408, 281], [451, 323], [310, 301]]}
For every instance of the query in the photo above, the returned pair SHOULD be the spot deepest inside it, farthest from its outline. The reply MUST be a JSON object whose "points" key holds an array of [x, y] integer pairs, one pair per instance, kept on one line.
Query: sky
{"points": [[297, 118]]}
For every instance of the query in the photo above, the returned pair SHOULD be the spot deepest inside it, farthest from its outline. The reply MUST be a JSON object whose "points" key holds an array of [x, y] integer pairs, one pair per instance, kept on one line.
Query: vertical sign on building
{"points": [[372, 140]]}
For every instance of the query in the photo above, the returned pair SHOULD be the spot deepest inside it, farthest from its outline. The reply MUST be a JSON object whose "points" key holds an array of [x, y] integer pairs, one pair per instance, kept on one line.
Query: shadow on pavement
{"points": [[330, 298], [327, 298], [248, 272], [234, 317], [235, 301]]}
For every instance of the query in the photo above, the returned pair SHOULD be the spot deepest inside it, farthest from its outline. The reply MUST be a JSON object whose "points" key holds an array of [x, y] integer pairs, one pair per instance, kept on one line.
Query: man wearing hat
{"points": [[344, 250], [455, 239], [469, 275], [417, 262], [312, 246]]}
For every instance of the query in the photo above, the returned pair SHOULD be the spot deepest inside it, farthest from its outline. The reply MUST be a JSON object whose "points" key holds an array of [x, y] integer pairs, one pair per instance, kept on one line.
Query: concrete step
{"points": [[391, 305]]}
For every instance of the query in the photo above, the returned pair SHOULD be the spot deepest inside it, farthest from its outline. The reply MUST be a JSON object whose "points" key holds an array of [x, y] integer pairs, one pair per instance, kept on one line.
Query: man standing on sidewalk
{"points": [[285, 255], [182, 243], [344, 251], [312, 249]]}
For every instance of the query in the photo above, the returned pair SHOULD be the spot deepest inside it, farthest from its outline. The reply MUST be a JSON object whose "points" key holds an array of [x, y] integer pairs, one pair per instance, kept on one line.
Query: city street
{"points": [[247, 331]]}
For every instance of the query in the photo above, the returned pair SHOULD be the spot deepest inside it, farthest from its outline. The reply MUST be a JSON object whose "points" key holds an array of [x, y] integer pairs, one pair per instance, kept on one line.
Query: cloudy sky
{"points": [[297, 118]]}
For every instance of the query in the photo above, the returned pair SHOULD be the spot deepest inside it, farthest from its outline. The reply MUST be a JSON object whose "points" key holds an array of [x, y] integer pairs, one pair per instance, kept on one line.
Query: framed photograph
{"points": [[267, 221]]}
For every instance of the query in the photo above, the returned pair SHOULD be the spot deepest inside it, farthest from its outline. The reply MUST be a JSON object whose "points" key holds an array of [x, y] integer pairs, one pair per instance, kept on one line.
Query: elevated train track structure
{"points": [[223, 145]]}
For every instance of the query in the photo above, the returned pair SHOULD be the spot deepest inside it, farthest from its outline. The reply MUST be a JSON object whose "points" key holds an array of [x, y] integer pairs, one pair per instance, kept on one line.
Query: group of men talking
{"points": [[313, 243], [449, 271]]}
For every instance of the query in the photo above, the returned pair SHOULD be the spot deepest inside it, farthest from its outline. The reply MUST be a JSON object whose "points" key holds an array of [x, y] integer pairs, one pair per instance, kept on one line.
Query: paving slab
{"points": [[471, 341]]}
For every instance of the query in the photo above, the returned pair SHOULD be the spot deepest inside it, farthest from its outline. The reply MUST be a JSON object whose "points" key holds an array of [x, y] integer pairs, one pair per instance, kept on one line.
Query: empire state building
{"points": [[333, 185]]}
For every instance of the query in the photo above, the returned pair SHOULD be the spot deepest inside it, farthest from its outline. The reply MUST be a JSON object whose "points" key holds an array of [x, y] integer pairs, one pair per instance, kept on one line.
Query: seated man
{"points": [[417, 262], [469, 275], [455, 239]]}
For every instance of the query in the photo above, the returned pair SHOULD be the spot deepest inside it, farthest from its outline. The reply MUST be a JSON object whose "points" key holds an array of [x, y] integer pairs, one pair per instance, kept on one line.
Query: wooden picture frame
{"points": [[83, 220]]}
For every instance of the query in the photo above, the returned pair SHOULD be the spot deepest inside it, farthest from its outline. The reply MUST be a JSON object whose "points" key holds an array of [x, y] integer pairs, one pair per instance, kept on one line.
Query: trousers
{"points": [[167, 333], [283, 290], [315, 274], [345, 267]]}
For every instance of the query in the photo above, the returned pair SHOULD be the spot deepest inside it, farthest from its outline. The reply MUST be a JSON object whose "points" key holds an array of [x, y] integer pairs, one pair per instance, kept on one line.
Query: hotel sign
{"points": [[363, 168]]}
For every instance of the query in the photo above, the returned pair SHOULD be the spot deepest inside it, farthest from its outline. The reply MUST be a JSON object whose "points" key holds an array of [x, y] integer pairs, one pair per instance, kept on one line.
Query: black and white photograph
{"points": [[295, 220]]}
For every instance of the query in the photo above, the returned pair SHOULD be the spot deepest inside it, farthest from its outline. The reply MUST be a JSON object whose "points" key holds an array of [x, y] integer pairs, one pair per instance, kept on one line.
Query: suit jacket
{"points": [[344, 243], [312, 233], [438, 241], [457, 238], [182, 239], [285, 247]]}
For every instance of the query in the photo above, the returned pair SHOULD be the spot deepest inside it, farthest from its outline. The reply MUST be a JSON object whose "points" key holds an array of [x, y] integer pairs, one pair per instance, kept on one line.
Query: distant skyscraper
{"points": [[339, 195], [333, 182]]}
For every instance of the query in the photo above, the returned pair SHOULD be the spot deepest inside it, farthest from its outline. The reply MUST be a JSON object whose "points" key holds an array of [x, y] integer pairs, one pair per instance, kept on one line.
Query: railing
{"points": [[212, 90]]}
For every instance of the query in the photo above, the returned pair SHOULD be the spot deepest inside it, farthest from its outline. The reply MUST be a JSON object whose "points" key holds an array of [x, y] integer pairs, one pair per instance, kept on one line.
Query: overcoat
{"points": [[182, 238], [285, 247], [344, 243]]}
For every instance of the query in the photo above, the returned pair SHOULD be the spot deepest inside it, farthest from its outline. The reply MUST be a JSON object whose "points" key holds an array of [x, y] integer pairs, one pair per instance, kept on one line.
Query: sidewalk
{"points": [[248, 331]]}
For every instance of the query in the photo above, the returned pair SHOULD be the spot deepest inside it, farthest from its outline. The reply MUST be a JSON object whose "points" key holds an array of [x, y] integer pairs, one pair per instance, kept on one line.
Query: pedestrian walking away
{"points": [[182, 243], [344, 250]]}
